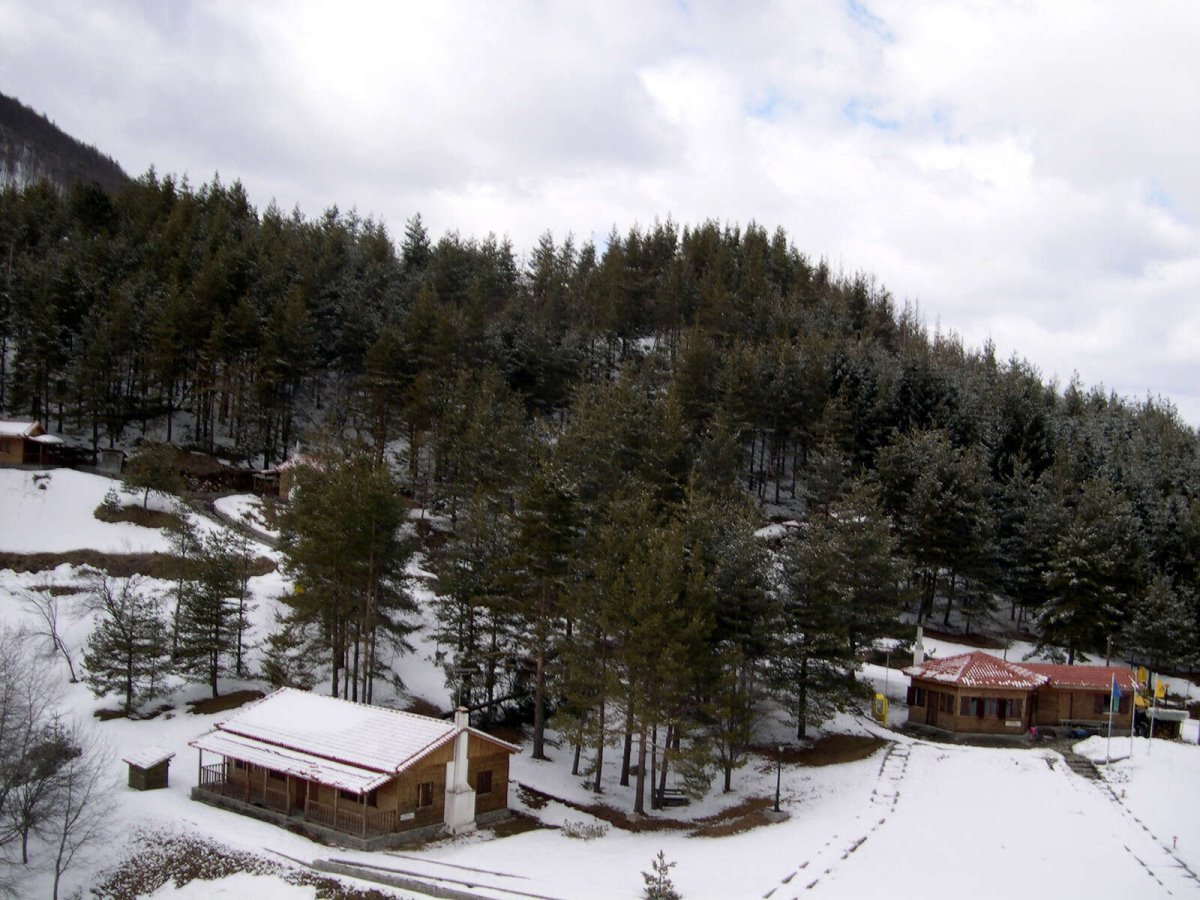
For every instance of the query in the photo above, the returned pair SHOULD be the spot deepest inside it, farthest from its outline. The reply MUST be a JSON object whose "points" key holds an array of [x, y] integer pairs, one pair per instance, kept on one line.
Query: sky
{"points": [[1020, 172]]}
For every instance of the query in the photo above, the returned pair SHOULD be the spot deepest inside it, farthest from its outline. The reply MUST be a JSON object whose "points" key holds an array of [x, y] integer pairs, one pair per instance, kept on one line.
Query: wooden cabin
{"points": [[27, 444], [149, 768], [360, 775], [977, 693]]}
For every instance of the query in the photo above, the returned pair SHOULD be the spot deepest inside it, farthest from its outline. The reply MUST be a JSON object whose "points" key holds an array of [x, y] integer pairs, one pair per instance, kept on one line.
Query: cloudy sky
{"points": [[1025, 172]]}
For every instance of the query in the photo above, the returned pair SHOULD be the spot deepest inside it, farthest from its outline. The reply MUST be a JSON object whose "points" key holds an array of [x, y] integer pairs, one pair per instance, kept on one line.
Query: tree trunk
{"points": [[639, 804], [654, 767], [539, 707], [627, 752], [802, 700], [662, 775], [600, 742]]}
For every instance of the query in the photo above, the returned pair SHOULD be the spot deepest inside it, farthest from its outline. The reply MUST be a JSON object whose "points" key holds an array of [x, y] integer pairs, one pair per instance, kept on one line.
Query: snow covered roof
{"points": [[333, 741], [1095, 677], [292, 762], [148, 757], [47, 439], [13, 428], [977, 669]]}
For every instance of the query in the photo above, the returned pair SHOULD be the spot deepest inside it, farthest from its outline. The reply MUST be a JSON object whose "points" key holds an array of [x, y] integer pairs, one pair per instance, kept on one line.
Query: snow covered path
{"points": [[1000, 822]]}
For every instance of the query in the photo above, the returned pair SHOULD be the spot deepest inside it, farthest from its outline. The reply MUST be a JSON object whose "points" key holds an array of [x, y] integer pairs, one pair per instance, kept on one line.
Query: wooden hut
{"points": [[361, 775], [977, 693], [149, 768], [26, 443]]}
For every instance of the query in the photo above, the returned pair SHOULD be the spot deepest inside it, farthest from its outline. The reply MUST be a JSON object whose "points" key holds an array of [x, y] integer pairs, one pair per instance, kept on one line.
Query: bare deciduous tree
{"points": [[45, 605]]}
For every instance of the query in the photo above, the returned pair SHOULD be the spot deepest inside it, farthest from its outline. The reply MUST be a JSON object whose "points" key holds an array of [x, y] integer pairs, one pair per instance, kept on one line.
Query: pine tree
{"points": [[128, 650], [1161, 627], [342, 545], [1095, 571], [212, 613], [153, 469]]}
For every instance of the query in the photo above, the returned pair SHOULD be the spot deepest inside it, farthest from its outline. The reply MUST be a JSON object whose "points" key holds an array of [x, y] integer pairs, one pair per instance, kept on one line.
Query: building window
{"points": [[991, 707], [424, 794], [238, 764], [483, 782], [1101, 703], [948, 704], [975, 706], [918, 697], [1010, 709]]}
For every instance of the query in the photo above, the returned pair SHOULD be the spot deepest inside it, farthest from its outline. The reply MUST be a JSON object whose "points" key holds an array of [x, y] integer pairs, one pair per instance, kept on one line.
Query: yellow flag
{"points": [[1141, 676], [1160, 688]]}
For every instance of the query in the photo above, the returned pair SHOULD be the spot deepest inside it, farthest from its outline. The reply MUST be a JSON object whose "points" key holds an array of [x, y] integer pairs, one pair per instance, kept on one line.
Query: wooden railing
{"points": [[213, 778], [348, 817]]}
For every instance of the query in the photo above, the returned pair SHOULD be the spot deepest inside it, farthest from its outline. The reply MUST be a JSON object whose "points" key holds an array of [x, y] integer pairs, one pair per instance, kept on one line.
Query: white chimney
{"points": [[460, 796], [919, 647]]}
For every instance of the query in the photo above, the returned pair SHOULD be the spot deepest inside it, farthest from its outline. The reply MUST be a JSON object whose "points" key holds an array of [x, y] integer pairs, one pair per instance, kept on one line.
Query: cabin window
{"points": [[277, 776], [483, 782], [350, 795], [238, 764], [424, 794], [991, 707], [1100, 704], [918, 697], [1010, 709], [974, 706], [948, 704]]}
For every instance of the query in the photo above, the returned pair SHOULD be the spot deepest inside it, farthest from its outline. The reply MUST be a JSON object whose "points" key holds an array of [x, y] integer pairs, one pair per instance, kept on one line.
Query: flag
{"points": [[1115, 705], [1141, 676], [1160, 689]]}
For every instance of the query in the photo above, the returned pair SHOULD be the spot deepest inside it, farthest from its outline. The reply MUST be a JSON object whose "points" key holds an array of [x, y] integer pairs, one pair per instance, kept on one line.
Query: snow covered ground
{"points": [[915, 819]]}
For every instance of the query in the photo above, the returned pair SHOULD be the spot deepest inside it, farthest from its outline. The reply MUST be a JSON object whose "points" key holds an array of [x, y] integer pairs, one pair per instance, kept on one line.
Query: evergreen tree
{"points": [[212, 616], [342, 545], [153, 469], [128, 652], [1161, 627], [1094, 572]]}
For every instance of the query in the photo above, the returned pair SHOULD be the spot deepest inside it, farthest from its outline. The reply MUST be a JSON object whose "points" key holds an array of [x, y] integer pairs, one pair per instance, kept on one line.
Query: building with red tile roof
{"points": [[978, 693]]}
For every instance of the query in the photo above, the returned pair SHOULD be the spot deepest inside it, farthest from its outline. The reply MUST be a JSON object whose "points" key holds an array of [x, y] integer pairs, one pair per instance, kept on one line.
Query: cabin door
{"points": [[301, 793], [932, 699]]}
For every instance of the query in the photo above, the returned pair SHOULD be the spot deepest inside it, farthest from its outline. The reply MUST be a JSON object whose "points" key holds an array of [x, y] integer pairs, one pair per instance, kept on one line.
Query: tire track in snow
{"points": [[884, 796], [1154, 855]]}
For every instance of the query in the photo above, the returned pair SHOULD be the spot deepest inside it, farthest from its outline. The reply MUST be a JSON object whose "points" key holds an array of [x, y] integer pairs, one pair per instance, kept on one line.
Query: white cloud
{"points": [[1022, 170]]}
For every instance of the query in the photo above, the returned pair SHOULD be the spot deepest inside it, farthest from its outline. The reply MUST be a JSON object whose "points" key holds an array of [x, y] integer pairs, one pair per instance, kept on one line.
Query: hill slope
{"points": [[32, 147]]}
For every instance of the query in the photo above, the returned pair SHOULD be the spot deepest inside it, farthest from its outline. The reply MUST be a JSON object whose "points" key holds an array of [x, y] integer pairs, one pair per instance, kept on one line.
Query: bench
{"points": [[673, 797]]}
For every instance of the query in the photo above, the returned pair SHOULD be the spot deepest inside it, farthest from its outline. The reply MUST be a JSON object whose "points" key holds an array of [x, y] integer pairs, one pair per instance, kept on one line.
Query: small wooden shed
{"points": [[148, 768]]}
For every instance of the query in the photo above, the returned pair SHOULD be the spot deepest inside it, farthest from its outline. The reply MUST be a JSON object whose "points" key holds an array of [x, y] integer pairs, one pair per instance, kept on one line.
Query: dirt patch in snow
{"points": [[118, 565], [827, 750], [734, 820], [147, 518], [210, 705]]}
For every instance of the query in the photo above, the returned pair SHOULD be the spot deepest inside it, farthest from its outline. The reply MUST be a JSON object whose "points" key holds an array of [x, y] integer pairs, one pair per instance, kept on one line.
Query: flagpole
{"points": [[1133, 718], [1112, 699], [1153, 709]]}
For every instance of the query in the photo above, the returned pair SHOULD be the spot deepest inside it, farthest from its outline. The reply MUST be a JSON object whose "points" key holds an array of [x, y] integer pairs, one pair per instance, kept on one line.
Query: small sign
{"points": [[407, 817], [1012, 723]]}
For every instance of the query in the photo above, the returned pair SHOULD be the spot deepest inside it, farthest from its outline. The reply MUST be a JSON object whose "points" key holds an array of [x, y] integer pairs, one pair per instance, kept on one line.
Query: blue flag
{"points": [[1115, 705]]}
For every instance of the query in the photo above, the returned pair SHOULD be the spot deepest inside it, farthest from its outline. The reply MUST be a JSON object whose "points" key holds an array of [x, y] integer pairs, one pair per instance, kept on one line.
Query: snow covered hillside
{"points": [[913, 818]]}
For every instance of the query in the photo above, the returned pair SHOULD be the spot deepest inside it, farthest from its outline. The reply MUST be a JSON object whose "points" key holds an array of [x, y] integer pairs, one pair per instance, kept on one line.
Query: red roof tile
{"points": [[1095, 677], [977, 669]]}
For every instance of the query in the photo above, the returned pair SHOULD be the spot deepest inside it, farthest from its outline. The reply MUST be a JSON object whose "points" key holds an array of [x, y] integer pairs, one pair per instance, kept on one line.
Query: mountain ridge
{"points": [[33, 148]]}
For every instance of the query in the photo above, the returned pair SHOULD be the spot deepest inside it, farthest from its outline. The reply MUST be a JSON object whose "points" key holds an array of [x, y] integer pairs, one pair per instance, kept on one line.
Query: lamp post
{"points": [[778, 775]]}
